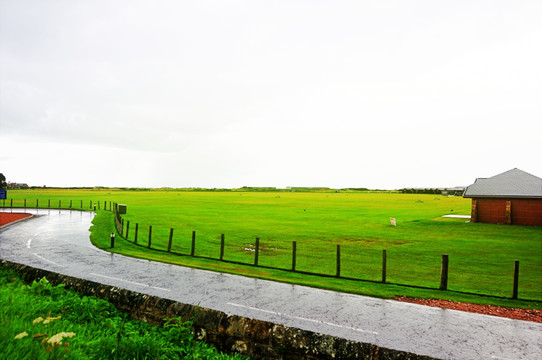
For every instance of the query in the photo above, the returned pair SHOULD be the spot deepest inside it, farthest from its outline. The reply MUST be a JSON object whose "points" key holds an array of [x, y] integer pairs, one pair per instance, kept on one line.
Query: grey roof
{"points": [[512, 183]]}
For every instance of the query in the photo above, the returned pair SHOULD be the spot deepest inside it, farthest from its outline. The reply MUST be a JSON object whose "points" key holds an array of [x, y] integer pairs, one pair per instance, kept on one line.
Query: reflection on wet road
{"points": [[59, 241]]}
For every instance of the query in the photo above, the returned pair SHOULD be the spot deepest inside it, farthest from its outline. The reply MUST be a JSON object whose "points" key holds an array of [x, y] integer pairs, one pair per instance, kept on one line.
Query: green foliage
{"points": [[3, 183], [44, 287], [100, 331]]}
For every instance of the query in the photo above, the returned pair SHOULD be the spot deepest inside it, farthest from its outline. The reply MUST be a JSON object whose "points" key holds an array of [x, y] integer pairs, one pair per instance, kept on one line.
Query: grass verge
{"points": [[41, 321]]}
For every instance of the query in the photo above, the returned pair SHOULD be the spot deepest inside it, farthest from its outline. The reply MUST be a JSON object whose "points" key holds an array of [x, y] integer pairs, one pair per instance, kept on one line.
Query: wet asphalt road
{"points": [[59, 241]]}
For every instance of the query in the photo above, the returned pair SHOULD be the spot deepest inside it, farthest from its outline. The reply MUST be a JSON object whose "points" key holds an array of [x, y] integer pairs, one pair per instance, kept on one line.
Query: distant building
{"points": [[513, 197], [453, 191], [17, 186]]}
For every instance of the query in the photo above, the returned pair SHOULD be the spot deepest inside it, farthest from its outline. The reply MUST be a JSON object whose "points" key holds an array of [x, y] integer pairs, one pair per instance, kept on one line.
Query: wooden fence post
{"points": [[81, 204], [170, 240], [49, 203], [384, 265], [338, 273], [256, 251], [90, 205], [127, 228], [135, 235], [221, 247], [444, 273], [70, 204], [193, 249], [150, 236], [121, 226], [516, 280], [294, 254]]}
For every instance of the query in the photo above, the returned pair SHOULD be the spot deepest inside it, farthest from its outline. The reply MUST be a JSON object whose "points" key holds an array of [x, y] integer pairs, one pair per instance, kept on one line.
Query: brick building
{"points": [[513, 197]]}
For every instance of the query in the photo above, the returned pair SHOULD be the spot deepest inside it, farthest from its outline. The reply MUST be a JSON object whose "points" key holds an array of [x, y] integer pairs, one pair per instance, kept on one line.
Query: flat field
{"points": [[481, 256]]}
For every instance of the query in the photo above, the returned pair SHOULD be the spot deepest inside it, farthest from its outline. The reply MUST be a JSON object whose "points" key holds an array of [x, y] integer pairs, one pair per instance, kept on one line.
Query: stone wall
{"points": [[229, 333]]}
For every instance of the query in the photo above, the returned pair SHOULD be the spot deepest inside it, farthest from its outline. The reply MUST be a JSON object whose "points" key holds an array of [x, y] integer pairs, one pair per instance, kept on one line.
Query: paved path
{"points": [[59, 241]]}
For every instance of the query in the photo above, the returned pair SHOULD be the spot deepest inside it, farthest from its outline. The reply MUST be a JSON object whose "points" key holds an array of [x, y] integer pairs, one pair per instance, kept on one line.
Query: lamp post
{"points": [[112, 240]]}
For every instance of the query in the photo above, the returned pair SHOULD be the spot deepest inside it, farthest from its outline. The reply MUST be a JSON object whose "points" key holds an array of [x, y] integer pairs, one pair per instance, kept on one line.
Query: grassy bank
{"points": [[40, 321]]}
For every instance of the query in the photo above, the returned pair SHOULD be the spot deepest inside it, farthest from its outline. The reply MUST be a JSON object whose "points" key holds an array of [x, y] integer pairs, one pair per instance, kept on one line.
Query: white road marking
{"points": [[159, 288], [49, 261], [303, 319], [130, 282], [28, 244]]}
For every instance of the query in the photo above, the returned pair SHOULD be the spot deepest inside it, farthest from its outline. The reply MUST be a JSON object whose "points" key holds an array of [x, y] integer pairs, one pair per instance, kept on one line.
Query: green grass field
{"points": [[481, 256]]}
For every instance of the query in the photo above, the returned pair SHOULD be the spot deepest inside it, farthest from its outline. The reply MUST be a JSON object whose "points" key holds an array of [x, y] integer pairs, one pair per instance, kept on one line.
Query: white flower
{"points": [[49, 319], [21, 335], [57, 339]]}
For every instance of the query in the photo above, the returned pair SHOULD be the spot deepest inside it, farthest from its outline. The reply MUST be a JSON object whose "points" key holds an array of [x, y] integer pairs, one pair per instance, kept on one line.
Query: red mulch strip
{"points": [[6, 218], [512, 313]]}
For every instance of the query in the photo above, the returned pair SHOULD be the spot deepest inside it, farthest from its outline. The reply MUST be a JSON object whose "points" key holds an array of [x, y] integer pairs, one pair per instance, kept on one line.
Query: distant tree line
{"points": [[421, 191]]}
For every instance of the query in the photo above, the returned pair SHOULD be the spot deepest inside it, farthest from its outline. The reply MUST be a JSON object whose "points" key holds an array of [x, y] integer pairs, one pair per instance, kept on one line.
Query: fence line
{"points": [[31, 203], [256, 260], [120, 226]]}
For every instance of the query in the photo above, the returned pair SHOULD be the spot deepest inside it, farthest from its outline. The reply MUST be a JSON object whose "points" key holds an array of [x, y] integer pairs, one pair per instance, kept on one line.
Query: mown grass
{"points": [[481, 255], [93, 328], [103, 225]]}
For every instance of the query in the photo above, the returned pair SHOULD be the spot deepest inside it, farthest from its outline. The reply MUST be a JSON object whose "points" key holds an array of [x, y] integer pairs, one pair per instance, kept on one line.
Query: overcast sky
{"points": [[377, 94]]}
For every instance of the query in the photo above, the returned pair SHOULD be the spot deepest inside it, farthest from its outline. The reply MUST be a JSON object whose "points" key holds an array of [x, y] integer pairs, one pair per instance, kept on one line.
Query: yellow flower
{"points": [[37, 320], [57, 339], [21, 335], [49, 319]]}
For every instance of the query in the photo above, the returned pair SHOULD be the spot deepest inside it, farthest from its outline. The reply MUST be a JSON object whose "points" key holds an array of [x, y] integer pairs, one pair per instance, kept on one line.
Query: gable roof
{"points": [[512, 183]]}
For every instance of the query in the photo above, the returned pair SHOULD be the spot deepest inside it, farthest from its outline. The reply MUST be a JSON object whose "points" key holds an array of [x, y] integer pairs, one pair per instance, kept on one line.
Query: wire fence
{"points": [[344, 262], [348, 262], [56, 204]]}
